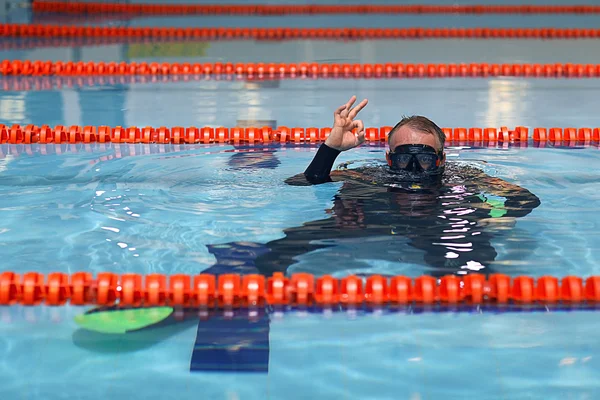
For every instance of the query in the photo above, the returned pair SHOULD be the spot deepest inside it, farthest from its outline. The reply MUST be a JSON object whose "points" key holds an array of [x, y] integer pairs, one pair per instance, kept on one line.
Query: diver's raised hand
{"points": [[342, 137]]}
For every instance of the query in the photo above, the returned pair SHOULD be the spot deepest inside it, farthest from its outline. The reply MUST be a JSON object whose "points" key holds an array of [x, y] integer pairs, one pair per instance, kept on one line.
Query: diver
{"points": [[415, 211]]}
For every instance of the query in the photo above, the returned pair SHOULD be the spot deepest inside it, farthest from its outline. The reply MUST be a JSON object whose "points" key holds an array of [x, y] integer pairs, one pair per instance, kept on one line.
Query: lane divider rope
{"points": [[206, 290], [17, 134], [299, 70], [288, 9], [213, 33]]}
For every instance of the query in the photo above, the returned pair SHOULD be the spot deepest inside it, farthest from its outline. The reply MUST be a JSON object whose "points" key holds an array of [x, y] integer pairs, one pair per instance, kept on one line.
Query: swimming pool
{"points": [[156, 209]]}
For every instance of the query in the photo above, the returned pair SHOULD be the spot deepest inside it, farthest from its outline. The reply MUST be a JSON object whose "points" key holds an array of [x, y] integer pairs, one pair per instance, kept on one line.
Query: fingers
{"points": [[339, 110], [346, 111], [354, 112], [343, 110], [350, 102], [360, 127], [360, 138]]}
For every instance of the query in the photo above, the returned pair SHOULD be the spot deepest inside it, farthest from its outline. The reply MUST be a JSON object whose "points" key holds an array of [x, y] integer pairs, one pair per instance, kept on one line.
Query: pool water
{"points": [[160, 209], [155, 209], [494, 356]]}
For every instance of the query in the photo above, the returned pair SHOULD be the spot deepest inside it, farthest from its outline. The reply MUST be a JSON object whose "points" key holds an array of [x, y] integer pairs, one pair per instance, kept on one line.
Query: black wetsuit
{"points": [[445, 228]]}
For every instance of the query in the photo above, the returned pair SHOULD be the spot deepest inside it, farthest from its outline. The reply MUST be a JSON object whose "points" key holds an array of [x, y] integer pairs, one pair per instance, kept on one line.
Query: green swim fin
{"points": [[122, 321]]}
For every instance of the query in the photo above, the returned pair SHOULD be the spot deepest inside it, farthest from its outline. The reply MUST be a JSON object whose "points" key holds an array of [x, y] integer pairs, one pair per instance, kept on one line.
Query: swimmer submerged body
{"points": [[445, 226]]}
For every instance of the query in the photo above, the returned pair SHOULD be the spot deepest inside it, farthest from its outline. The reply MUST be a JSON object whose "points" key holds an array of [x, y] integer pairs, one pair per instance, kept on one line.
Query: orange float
{"points": [[81, 292], [302, 286], [204, 290], [106, 288], [474, 288], [376, 290], [277, 290], [351, 290], [592, 289], [400, 291], [425, 289], [228, 290], [327, 291], [449, 289], [10, 288], [253, 290], [547, 289], [499, 287], [180, 293], [522, 290], [131, 290], [155, 290]]}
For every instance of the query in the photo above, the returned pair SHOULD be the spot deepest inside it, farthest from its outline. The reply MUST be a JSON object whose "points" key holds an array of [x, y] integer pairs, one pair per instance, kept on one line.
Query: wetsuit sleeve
{"points": [[319, 169], [518, 201]]}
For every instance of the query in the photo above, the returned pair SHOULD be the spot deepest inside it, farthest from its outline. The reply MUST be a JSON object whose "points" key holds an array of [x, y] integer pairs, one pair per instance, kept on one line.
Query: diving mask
{"points": [[415, 158]]}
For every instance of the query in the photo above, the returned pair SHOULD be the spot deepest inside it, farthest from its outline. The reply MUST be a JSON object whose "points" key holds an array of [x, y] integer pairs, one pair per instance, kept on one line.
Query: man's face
{"points": [[407, 135]]}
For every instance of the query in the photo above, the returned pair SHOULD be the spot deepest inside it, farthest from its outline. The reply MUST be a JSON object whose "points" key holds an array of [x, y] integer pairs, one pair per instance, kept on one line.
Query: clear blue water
{"points": [[144, 209]]}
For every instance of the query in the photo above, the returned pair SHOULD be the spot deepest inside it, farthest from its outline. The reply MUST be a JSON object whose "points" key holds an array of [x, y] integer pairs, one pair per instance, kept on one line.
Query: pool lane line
{"points": [[302, 9], [301, 289], [259, 72], [288, 33], [178, 135]]}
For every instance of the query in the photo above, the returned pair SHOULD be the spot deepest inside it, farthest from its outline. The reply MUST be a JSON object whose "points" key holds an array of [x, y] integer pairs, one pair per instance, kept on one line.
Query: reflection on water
{"points": [[506, 101]]}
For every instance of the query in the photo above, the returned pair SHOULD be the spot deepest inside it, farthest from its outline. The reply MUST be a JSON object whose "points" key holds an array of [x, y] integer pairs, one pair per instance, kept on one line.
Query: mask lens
{"points": [[401, 161], [428, 161]]}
